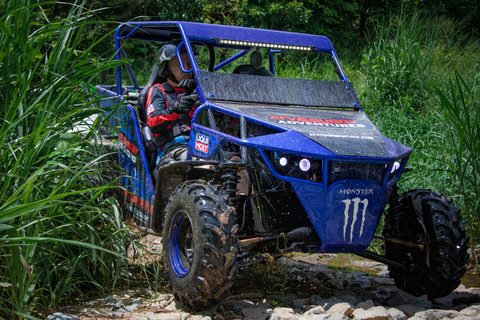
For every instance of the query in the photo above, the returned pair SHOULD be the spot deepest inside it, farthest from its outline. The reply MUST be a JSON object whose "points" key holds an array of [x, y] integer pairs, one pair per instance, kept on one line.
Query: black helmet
{"points": [[169, 51], [166, 53]]}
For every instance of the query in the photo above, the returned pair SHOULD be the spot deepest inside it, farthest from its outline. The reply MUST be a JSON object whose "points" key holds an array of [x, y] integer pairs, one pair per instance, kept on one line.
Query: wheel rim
{"points": [[181, 244], [414, 259]]}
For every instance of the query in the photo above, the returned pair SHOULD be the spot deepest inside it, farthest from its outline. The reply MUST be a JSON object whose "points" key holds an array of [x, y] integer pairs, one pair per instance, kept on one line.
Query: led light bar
{"points": [[264, 45]]}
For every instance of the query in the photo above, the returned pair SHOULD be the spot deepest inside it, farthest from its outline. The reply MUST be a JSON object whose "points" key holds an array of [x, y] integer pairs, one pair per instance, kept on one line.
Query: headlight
{"points": [[304, 165], [297, 166]]}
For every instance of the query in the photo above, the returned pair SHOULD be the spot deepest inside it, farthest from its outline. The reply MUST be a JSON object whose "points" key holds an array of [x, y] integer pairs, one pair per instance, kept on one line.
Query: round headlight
{"points": [[283, 161], [304, 164]]}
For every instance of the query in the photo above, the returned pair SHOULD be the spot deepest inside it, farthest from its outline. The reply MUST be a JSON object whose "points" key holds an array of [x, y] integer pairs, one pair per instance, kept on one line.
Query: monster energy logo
{"points": [[356, 206]]}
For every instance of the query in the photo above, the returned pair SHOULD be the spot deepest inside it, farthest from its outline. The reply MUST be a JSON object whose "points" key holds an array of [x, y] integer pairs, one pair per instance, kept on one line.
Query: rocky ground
{"points": [[306, 287]]}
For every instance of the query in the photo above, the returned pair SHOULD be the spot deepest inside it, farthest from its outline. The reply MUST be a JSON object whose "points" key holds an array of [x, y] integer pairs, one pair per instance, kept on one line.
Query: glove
{"points": [[183, 104], [188, 84]]}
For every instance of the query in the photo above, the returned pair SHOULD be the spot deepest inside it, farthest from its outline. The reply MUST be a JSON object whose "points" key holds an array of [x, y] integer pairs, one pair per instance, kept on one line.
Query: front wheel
{"points": [[436, 253], [200, 244]]}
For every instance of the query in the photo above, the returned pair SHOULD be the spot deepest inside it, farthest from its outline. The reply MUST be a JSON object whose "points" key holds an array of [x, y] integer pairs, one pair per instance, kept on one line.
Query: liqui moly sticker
{"points": [[201, 142]]}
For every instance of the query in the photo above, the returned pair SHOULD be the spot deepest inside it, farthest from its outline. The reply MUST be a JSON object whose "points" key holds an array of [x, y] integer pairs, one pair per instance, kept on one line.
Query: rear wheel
{"points": [[436, 253], [199, 244]]}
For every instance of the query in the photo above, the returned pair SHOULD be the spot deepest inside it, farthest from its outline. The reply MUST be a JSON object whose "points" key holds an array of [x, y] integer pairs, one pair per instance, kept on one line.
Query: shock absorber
{"points": [[229, 183]]}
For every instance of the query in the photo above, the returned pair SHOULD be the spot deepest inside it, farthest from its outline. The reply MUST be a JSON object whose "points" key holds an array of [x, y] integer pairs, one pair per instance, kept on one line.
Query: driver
{"points": [[170, 104]]}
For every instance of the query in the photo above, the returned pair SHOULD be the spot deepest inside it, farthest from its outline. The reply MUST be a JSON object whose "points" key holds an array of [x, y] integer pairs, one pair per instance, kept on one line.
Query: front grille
{"points": [[340, 170]]}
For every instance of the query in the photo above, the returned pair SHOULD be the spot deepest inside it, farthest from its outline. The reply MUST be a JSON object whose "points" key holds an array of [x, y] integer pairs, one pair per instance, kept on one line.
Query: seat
{"points": [[142, 98]]}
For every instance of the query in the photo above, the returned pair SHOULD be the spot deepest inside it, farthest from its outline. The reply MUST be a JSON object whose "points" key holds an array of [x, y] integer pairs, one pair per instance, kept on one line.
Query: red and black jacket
{"points": [[159, 98]]}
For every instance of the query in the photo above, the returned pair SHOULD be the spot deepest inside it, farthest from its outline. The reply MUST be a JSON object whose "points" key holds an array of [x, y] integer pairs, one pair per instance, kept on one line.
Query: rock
{"points": [[250, 296], [435, 314], [174, 306], [396, 314], [376, 313], [328, 303], [61, 316], [300, 303], [364, 283], [132, 306], [239, 304], [365, 305], [348, 296], [402, 298], [324, 316], [471, 311], [284, 314], [410, 310], [315, 310], [256, 313], [335, 284], [384, 272], [338, 316], [381, 281], [342, 308], [340, 295]]}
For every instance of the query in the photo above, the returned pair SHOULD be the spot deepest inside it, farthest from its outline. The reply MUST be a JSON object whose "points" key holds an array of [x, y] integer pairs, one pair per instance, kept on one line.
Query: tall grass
{"points": [[406, 89], [460, 101], [404, 58], [60, 235]]}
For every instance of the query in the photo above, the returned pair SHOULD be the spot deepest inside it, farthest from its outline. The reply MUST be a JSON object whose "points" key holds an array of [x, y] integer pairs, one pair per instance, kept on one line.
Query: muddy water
{"points": [[353, 263]]}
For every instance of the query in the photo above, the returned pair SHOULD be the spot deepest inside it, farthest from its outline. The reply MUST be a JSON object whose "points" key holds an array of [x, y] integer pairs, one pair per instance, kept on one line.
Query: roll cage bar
{"points": [[211, 36]]}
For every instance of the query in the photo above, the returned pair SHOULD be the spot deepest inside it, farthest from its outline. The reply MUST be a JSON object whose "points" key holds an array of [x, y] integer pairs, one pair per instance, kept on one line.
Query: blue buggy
{"points": [[310, 172]]}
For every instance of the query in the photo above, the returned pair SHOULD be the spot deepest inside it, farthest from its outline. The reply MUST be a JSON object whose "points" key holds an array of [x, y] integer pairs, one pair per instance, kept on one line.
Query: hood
{"points": [[344, 132]]}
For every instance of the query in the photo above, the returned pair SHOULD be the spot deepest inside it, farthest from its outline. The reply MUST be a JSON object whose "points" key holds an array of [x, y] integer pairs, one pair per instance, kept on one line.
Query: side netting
{"points": [[135, 192]]}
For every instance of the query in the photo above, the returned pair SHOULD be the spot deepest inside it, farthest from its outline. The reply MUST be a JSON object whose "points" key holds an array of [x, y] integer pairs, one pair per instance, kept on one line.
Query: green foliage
{"points": [[405, 88], [459, 100], [398, 64], [59, 232]]}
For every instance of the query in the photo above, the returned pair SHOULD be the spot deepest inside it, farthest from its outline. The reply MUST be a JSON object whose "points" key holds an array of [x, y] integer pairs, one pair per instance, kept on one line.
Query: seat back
{"points": [[142, 98]]}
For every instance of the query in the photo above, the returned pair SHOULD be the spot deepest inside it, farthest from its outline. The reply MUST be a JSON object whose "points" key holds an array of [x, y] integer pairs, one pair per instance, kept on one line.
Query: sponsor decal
{"points": [[130, 147], [150, 110], [126, 152], [355, 192], [347, 136], [339, 123], [141, 209], [201, 142], [356, 205]]}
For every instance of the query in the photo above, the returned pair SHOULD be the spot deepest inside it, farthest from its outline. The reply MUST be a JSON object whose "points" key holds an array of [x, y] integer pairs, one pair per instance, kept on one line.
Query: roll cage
{"points": [[188, 34]]}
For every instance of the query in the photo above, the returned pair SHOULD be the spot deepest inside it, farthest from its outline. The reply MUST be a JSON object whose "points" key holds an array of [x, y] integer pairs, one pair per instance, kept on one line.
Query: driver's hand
{"points": [[184, 104], [188, 84]]}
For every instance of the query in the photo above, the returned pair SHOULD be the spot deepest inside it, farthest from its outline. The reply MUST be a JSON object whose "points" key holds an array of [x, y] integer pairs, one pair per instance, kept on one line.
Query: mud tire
{"points": [[429, 219], [200, 244]]}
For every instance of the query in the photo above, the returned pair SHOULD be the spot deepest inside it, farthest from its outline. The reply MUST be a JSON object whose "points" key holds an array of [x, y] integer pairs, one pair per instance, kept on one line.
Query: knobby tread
{"points": [[214, 230], [427, 218]]}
